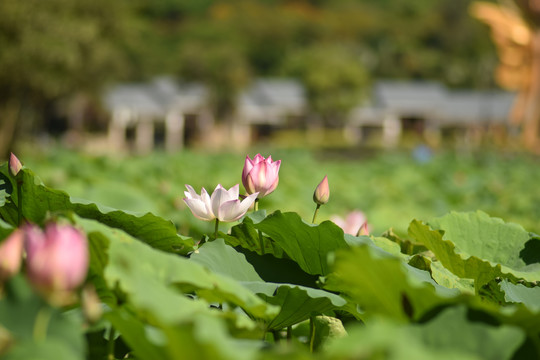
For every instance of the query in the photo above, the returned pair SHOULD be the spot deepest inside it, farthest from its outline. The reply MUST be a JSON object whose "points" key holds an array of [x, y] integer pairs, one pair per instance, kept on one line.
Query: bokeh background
{"points": [[412, 108]]}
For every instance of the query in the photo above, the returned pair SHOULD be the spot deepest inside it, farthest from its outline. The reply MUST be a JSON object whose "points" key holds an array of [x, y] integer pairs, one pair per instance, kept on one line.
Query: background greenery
{"points": [[390, 187], [464, 285], [58, 56]]}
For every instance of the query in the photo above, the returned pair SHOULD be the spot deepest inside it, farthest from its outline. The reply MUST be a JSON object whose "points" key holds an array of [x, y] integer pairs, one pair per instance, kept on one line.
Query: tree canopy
{"points": [[53, 49]]}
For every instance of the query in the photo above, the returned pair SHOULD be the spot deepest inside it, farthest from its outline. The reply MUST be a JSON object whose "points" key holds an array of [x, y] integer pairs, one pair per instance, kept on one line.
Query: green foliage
{"points": [[334, 78], [31, 321], [450, 335], [55, 50], [219, 66], [478, 247], [464, 286], [391, 188]]}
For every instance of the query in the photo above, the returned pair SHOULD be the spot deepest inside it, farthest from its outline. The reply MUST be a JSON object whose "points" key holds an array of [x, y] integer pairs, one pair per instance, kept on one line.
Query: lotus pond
{"points": [[440, 274]]}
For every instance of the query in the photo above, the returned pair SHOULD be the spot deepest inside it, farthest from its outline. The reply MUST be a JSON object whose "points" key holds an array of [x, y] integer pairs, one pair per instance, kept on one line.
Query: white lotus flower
{"points": [[223, 204]]}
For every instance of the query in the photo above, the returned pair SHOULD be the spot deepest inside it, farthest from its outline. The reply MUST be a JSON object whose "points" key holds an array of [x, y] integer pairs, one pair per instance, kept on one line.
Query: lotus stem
{"points": [[289, 333], [311, 333], [216, 229], [41, 324], [20, 202], [275, 333], [261, 241], [110, 345], [315, 214]]}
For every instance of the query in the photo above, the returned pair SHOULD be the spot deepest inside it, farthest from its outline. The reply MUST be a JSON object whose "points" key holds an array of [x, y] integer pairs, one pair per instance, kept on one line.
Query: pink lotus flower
{"points": [[14, 164], [57, 259], [260, 175], [322, 192], [11, 251], [223, 205], [355, 223]]}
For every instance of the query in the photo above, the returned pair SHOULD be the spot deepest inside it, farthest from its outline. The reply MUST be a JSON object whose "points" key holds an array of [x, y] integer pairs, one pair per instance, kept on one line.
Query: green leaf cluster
{"points": [[464, 285]]}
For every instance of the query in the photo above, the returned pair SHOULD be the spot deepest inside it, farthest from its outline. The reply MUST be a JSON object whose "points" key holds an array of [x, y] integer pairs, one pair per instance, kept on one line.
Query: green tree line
{"points": [[57, 51]]}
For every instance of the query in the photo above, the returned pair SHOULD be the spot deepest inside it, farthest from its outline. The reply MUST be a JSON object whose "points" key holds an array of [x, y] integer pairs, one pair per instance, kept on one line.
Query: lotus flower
{"points": [[355, 223], [322, 192], [260, 175], [57, 259], [11, 251], [223, 205], [14, 164]]}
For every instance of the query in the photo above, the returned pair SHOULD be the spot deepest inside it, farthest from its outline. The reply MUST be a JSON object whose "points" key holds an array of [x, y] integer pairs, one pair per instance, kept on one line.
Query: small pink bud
{"points": [[14, 164], [355, 223], [260, 175], [364, 230], [11, 251], [57, 259], [322, 192]]}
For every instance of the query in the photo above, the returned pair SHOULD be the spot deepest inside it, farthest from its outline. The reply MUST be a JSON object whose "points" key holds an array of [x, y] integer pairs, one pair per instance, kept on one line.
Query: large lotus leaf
{"points": [[446, 278], [5, 230], [20, 309], [6, 185], [147, 274], [515, 314], [155, 231], [278, 270], [378, 244], [208, 338], [202, 337], [137, 335], [518, 293], [384, 284], [143, 287], [8, 197], [450, 335], [246, 236], [223, 259], [297, 303], [306, 244], [476, 246]]}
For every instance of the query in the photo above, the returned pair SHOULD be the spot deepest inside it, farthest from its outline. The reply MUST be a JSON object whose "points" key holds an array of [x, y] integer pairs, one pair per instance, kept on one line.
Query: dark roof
{"points": [[270, 100], [134, 97], [462, 107], [409, 98], [285, 93], [154, 99]]}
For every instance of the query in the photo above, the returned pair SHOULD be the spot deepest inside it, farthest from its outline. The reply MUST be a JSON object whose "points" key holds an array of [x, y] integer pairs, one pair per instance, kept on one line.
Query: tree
{"points": [[52, 49], [222, 68], [334, 78]]}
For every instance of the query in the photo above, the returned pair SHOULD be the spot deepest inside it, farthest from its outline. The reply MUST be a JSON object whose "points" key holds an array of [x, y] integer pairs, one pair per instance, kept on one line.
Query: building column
{"points": [[144, 137], [116, 136], [174, 131], [391, 130]]}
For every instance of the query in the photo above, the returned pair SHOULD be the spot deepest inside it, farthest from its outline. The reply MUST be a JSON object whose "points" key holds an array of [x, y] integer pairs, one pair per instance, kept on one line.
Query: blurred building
{"points": [[430, 112], [174, 113]]}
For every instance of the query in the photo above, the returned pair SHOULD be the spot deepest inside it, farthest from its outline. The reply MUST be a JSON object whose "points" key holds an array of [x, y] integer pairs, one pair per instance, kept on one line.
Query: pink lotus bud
{"points": [[322, 192], [260, 175], [14, 164], [355, 223], [363, 229], [11, 251], [57, 259]]}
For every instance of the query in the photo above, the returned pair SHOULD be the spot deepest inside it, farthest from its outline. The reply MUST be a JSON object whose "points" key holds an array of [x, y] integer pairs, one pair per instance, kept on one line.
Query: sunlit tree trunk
{"points": [[531, 114]]}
